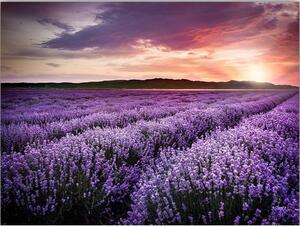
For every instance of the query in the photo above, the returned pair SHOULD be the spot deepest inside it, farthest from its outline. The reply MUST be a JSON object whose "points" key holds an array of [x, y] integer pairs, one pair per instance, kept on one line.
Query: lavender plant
{"points": [[182, 157], [245, 175]]}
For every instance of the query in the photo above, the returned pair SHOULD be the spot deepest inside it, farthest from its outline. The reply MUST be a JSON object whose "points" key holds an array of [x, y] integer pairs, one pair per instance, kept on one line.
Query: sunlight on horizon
{"points": [[257, 73]]}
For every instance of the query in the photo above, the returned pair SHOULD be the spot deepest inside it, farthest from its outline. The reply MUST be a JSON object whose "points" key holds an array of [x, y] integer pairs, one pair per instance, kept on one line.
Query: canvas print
{"points": [[150, 113]]}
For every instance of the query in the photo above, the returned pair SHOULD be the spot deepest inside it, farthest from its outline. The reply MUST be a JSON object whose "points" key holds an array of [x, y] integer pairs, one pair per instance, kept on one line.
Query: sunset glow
{"points": [[257, 73], [76, 42]]}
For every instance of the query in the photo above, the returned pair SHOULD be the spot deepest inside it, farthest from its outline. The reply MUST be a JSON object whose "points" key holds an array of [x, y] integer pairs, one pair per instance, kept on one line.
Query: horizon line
{"points": [[155, 78]]}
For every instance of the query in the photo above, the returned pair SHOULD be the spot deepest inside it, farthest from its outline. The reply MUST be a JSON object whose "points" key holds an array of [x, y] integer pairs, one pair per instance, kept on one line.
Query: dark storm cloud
{"points": [[173, 25], [56, 23]]}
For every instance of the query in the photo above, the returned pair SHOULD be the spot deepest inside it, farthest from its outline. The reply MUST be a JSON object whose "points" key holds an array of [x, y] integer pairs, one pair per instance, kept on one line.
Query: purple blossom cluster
{"points": [[178, 157], [21, 126], [36, 130], [248, 174]]}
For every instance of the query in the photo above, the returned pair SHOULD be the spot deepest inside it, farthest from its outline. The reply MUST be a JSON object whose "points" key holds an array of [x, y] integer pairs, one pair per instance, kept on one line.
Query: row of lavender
{"points": [[16, 135], [93, 174], [48, 106], [245, 175], [53, 117]]}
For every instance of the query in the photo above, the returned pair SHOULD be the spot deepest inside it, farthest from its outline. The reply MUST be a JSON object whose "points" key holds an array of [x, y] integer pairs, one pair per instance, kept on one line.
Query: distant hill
{"points": [[156, 83]]}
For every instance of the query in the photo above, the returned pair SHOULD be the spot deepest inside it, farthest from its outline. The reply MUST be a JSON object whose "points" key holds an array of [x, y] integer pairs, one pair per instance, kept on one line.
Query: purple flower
{"points": [[237, 220]]}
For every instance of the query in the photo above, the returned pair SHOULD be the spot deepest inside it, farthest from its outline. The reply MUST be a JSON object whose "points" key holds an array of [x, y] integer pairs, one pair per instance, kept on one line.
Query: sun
{"points": [[257, 72]]}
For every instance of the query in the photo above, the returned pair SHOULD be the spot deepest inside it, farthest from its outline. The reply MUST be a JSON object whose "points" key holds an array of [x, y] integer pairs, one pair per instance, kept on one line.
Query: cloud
{"points": [[181, 67], [36, 53], [173, 25], [53, 65], [286, 45], [270, 24], [5, 68], [56, 23], [139, 40], [45, 9]]}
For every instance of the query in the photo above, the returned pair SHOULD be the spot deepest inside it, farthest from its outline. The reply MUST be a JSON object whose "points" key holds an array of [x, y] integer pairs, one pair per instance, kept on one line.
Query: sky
{"points": [[79, 42]]}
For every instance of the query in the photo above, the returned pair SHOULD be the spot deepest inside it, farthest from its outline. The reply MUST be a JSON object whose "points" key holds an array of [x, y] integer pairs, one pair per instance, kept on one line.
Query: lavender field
{"points": [[149, 157]]}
